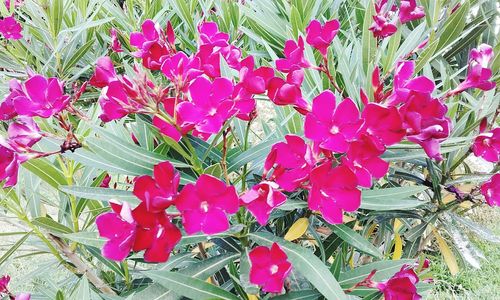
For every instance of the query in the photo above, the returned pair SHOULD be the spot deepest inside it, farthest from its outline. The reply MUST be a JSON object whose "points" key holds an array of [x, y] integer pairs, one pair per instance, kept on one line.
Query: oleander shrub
{"points": [[302, 149]]}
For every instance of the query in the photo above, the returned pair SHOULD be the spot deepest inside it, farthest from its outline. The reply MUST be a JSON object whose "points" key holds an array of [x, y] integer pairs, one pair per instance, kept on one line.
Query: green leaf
{"points": [[391, 198], [98, 193], [299, 295], [356, 240], [13, 249], [86, 238], [478, 229], [51, 225], [189, 287], [75, 58], [306, 263], [385, 269], [46, 171], [369, 43], [453, 26], [56, 15]]}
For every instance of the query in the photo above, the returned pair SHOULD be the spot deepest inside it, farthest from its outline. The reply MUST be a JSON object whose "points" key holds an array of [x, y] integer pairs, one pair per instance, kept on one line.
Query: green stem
{"points": [[245, 167]]}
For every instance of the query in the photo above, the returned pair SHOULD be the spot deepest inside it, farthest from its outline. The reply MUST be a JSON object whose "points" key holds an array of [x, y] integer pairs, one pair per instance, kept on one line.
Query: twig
{"points": [[81, 267]]}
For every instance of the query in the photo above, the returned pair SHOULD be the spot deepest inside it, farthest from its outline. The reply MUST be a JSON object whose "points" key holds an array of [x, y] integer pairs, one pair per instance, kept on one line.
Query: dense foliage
{"points": [[245, 149]]}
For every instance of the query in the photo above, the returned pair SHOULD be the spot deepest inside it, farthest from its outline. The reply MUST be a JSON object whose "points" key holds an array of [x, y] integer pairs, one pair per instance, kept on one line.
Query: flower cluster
{"points": [[10, 28], [36, 97], [383, 26]]}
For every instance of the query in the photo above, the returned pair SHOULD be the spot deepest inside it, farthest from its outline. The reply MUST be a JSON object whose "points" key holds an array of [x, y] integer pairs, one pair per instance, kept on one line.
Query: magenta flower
{"points": [[43, 97], [478, 73], [487, 145], [181, 70], [333, 128], [167, 129], [409, 11], [9, 165], [210, 105], [254, 81], [333, 191], [244, 104], [116, 46], [381, 27], [320, 37], [119, 228], [269, 268], [401, 286], [491, 190], [117, 100], [7, 109], [425, 121], [204, 205], [155, 234], [363, 159], [104, 73], [23, 133], [288, 92], [294, 57], [261, 199], [384, 123], [10, 28], [158, 192], [105, 181], [404, 85], [210, 35], [4, 284], [291, 162], [152, 45]]}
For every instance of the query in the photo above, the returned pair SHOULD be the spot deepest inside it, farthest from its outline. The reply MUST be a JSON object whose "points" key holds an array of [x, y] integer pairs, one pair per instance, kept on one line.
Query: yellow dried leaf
{"points": [[397, 225], [252, 297], [398, 247], [347, 219], [297, 229], [449, 257]]}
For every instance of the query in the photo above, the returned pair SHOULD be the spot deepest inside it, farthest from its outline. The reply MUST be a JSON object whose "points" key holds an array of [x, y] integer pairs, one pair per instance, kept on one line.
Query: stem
{"points": [[81, 267], [460, 160], [224, 156], [245, 167], [325, 69]]}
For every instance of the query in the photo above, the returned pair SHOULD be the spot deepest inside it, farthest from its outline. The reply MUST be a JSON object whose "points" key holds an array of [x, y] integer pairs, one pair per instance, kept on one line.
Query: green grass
{"points": [[469, 283]]}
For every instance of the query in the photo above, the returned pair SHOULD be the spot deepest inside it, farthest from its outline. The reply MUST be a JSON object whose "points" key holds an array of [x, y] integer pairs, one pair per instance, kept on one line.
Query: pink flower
{"points": [[254, 81], [269, 268], [491, 190], [210, 105], [210, 35], [409, 11], [288, 92], [401, 286], [119, 228], [105, 181], [487, 145], [333, 128], [404, 85], [363, 159], [262, 199], [104, 72], [158, 193], [23, 296], [23, 133], [294, 57], [384, 123], [204, 205], [381, 27], [155, 234], [4, 283], [181, 70], [117, 100], [152, 45], [43, 97], [9, 165], [167, 129], [116, 46], [320, 37], [478, 73], [244, 104], [291, 162], [425, 121], [7, 109], [333, 190], [10, 28]]}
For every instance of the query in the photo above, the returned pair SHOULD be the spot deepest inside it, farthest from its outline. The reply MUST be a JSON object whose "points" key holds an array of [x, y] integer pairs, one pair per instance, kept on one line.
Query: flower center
{"points": [[274, 269], [212, 111], [159, 233], [204, 206], [334, 130]]}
